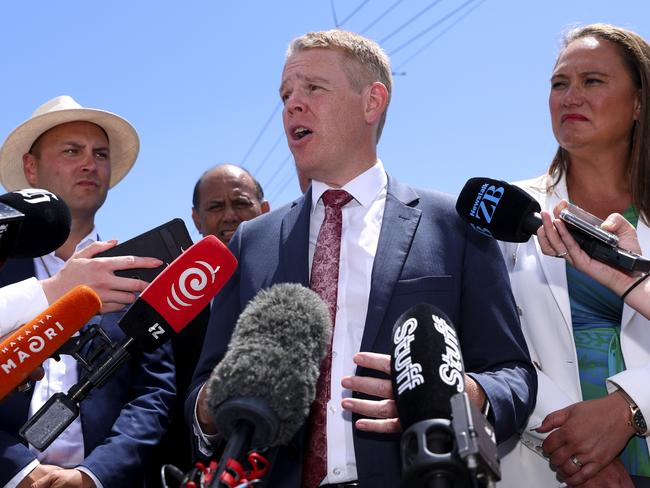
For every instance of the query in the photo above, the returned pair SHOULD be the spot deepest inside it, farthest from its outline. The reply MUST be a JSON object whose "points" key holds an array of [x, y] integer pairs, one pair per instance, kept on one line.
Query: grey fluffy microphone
{"points": [[260, 393]]}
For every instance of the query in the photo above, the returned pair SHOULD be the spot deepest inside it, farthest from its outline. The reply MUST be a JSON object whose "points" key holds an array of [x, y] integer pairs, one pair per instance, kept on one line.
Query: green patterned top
{"points": [[596, 315]]}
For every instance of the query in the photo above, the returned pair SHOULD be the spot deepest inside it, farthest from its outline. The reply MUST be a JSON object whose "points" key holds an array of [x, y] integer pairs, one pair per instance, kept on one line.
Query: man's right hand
{"points": [[114, 291], [203, 413], [37, 473]]}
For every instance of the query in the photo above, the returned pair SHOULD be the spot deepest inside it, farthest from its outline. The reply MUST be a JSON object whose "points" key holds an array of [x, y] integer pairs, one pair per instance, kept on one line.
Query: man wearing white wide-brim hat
{"points": [[79, 153]]}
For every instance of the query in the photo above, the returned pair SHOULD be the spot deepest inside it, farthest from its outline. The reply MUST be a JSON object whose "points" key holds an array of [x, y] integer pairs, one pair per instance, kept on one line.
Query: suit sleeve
{"points": [[492, 342], [14, 456], [224, 313], [141, 423]]}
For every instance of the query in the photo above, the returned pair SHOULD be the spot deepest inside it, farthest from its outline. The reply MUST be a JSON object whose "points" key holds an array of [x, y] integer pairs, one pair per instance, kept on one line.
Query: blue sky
{"points": [[199, 81]]}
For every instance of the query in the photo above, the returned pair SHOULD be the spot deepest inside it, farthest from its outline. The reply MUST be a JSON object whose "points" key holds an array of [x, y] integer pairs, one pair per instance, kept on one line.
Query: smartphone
{"points": [[589, 224], [166, 242]]}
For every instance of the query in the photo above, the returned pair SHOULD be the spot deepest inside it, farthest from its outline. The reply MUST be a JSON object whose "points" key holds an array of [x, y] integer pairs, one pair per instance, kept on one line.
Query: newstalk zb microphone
{"points": [[507, 213]]}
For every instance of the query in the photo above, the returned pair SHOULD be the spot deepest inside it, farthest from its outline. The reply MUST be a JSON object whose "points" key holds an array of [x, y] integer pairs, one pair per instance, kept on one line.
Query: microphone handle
{"points": [[97, 377], [237, 445], [61, 409]]}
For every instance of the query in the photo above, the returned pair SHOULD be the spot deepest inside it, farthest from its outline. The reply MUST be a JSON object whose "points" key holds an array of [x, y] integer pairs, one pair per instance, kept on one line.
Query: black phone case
{"points": [[166, 242]]}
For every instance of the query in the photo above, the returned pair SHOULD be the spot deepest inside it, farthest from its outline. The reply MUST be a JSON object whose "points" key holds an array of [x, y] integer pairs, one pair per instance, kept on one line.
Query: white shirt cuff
{"points": [[19, 303], [22, 474], [84, 469], [204, 441]]}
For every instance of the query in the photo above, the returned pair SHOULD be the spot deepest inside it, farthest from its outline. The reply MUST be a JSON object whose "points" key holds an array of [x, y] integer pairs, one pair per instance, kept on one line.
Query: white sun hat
{"points": [[123, 140]]}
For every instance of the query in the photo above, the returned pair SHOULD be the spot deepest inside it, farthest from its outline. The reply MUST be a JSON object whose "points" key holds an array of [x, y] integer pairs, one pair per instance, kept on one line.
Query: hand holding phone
{"points": [[580, 219]]}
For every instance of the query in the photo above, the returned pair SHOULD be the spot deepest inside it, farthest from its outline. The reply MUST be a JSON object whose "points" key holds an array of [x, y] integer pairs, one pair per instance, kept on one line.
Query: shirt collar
{"points": [[85, 242], [364, 188]]}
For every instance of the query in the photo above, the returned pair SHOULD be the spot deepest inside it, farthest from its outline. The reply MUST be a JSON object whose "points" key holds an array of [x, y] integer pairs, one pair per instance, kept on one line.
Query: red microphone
{"points": [[179, 293], [27, 347], [164, 308]]}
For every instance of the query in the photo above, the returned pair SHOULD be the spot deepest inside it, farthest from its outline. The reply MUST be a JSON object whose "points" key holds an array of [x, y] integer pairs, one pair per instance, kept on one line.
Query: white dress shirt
{"points": [[67, 451], [362, 219]]}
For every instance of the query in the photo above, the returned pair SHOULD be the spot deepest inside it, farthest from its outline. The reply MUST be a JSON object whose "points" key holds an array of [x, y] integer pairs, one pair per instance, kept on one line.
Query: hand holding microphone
{"points": [[163, 309], [507, 213], [556, 240]]}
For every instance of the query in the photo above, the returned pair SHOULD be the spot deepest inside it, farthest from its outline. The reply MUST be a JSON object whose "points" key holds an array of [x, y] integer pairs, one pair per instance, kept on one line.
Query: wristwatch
{"points": [[637, 421]]}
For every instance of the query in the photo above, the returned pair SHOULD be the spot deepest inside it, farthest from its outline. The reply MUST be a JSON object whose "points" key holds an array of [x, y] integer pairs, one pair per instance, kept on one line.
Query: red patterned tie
{"points": [[324, 281]]}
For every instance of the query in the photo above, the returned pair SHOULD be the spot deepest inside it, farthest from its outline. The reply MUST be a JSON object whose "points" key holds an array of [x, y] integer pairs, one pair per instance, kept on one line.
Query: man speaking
{"points": [[371, 247]]}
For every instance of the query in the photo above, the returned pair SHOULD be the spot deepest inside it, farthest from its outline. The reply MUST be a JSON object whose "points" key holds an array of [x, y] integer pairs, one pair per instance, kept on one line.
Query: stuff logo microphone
{"points": [[427, 371]]}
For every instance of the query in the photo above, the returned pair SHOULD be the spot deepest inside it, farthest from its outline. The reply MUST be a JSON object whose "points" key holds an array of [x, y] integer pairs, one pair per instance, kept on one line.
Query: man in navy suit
{"points": [[78, 154], [399, 247]]}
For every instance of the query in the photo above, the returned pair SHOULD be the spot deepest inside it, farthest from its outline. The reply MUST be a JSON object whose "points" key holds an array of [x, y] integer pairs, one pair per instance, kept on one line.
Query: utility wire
{"points": [[268, 154], [293, 176], [359, 7], [432, 26], [432, 4], [259, 136], [277, 171], [449, 27], [336, 22], [287, 177], [381, 16]]}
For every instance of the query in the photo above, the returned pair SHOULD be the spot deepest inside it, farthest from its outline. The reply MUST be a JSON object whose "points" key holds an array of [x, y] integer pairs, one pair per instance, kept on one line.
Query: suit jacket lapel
{"points": [[554, 268], [398, 226], [294, 247]]}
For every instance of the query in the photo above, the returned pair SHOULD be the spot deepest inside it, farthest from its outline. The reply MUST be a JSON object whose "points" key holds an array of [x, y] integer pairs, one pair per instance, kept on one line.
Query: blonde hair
{"points": [[367, 61]]}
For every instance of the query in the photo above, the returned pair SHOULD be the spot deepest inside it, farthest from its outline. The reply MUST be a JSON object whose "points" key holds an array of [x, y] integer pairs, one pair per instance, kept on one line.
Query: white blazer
{"points": [[539, 285]]}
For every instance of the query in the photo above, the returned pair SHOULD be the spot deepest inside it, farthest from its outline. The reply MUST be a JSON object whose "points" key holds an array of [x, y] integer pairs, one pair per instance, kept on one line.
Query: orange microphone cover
{"points": [[27, 347]]}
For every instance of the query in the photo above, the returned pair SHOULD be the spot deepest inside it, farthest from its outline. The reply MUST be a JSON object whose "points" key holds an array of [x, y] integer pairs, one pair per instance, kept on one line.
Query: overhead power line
{"points": [[381, 16], [268, 154], [444, 31], [359, 7], [432, 26], [261, 133], [419, 14], [336, 22]]}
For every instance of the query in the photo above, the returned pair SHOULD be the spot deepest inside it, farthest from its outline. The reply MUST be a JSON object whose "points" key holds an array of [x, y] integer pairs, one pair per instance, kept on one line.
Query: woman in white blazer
{"points": [[592, 352]]}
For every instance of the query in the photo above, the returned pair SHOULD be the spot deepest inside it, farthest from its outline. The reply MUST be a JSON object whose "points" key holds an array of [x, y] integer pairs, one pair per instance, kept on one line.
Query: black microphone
{"points": [[427, 371], [261, 391], [507, 213], [33, 222], [168, 304]]}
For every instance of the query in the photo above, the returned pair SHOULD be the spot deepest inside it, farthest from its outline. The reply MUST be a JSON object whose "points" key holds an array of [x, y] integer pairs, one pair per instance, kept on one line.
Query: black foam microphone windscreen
{"points": [[498, 209], [45, 225], [273, 357], [427, 365]]}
